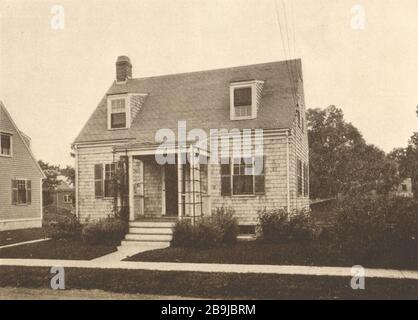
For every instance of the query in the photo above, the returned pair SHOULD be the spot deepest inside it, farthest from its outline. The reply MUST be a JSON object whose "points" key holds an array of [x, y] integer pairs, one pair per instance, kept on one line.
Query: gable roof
{"points": [[202, 99], [23, 138]]}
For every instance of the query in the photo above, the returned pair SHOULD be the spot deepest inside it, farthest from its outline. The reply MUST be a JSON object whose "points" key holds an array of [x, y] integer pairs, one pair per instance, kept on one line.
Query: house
{"points": [[137, 116], [62, 197], [404, 189], [20, 178]]}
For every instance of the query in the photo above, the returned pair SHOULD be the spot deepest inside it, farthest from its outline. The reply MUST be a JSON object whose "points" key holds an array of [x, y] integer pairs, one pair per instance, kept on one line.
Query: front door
{"points": [[171, 190]]}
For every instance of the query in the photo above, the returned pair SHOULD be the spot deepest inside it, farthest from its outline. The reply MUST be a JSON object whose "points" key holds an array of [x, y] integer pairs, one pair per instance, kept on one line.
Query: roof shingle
{"points": [[200, 98]]}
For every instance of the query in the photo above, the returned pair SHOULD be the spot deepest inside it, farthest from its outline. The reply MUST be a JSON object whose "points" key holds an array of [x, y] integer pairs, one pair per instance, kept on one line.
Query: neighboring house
{"points": [[124, 125], [20, 178], [404, 189], [62, 197]]}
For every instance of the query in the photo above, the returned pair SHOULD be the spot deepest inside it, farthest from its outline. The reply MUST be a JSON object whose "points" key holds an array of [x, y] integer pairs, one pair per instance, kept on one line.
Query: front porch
{"points": [[165, 192]]}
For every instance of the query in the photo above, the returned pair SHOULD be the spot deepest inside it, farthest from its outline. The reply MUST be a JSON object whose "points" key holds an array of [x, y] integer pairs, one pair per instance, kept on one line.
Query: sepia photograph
{"points": [[229, 151]]}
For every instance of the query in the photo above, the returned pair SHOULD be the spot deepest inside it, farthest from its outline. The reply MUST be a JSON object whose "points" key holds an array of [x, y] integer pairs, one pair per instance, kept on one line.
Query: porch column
{"points": [[131, 189], [180, 184]]}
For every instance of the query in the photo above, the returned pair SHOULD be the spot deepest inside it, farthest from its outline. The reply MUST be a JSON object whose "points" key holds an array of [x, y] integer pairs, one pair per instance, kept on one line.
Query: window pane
{"points": [[242, 97], [243, 185], [118, 106], [243, 111], [21, 191], [118, 120], [5, 144], [259, 184]]}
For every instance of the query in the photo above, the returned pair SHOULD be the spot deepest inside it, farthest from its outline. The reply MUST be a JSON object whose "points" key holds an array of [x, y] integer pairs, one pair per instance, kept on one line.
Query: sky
{"points": [[361, 56]]}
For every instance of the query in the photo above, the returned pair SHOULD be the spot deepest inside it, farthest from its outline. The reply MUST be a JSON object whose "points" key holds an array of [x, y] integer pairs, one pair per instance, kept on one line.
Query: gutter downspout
{"points": [[288, 171]]}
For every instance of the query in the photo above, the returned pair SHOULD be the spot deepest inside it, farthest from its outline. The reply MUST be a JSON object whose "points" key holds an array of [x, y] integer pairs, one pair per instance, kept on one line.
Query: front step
{"points": [[153, 234], [149, 237]]}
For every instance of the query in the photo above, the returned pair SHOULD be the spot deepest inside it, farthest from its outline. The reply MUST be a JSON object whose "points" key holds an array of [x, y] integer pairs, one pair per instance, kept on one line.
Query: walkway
{"points": [[212, 267]]}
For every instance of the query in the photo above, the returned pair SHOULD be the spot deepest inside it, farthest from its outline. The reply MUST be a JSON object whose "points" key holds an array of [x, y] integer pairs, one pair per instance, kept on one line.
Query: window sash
{"points": [[239, 178], [242, 97], [21, 191], [5, 144], [118, 120]]}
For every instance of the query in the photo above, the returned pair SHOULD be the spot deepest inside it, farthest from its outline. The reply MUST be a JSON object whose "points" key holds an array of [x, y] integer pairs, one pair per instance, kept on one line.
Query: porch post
{"points": [[179, 184], [131, 189]]}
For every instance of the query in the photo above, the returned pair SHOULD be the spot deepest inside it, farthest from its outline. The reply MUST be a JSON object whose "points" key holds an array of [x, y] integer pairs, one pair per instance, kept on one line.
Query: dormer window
{"points": [[118, 112], [244, 99]]}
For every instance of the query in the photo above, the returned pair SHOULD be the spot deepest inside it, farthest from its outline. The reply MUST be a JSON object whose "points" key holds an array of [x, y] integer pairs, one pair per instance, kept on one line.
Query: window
{"points": [[103, 180], [67, 198], [404, 187], [243, 102], [5, 144], [117, 113], [21, 191], [242, 176], [244, 98], [299, 177]]}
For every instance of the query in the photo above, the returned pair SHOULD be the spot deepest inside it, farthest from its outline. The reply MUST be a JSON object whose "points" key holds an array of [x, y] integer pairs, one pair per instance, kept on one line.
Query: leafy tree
{"points": [[407, 159], [341, 161], [50, 183], [69, 173]]}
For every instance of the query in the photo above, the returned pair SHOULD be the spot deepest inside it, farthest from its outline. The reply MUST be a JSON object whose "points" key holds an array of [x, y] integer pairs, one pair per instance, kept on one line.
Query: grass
{"points": [[309, 253], [15, 236], [57, 249], [214, 285]]}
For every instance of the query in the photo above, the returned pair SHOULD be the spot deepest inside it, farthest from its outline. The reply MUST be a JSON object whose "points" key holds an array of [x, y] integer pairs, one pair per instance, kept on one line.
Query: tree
{"points": [[340, 159], [69, 174], [407, 159], [50, 183]]}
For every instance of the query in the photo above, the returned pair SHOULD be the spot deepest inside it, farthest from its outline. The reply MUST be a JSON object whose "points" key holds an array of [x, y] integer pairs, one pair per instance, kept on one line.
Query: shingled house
{"points": [[20, 178], [126, 123]]}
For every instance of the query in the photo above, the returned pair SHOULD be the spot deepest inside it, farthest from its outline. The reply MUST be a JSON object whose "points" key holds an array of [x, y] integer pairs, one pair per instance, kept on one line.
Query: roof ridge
{"points": [[213, 70]]}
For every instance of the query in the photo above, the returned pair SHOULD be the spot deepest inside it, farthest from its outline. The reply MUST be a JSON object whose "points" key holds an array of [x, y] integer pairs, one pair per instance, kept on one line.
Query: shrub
{"points": [[226, 222], [377, 228], [182, 234], [219, 229], [64, 225], [278, 225], [106, 231]]}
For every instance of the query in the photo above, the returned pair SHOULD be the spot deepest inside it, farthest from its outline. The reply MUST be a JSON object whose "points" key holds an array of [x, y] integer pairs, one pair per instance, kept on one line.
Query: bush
{"points": [[377, 228], [64, 225], [106, 231], [278, 225], [219, 229]]}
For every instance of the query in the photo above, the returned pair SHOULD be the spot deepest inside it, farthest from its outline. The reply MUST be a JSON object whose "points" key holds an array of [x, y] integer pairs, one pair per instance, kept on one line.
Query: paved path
{"points": [[22, 243], [212, 267], [9, 293]]}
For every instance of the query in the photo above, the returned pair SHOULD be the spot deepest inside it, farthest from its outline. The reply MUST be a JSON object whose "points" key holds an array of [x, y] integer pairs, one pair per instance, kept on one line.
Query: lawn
{"points": [[15, 236], [57, 249], [211, 285], [308, 253]]}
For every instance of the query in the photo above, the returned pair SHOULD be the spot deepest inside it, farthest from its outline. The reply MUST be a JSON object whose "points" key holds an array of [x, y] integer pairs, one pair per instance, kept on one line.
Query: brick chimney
{"points": [[123, 69]]}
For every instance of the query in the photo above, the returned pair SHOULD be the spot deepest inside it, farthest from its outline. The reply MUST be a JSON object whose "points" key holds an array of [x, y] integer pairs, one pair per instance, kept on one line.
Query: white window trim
{"points": [[11, 144], [67, 198], [244, 84], [127, 110]]}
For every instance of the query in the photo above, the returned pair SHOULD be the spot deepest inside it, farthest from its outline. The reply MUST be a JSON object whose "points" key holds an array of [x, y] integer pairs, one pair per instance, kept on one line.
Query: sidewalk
{"points": [[209, 267]]}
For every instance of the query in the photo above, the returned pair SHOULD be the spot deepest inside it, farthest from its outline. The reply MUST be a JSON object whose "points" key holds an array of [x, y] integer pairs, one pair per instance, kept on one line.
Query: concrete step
{"points": [[149, 237], [151, 224], [139, 230], [150, 244]]}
